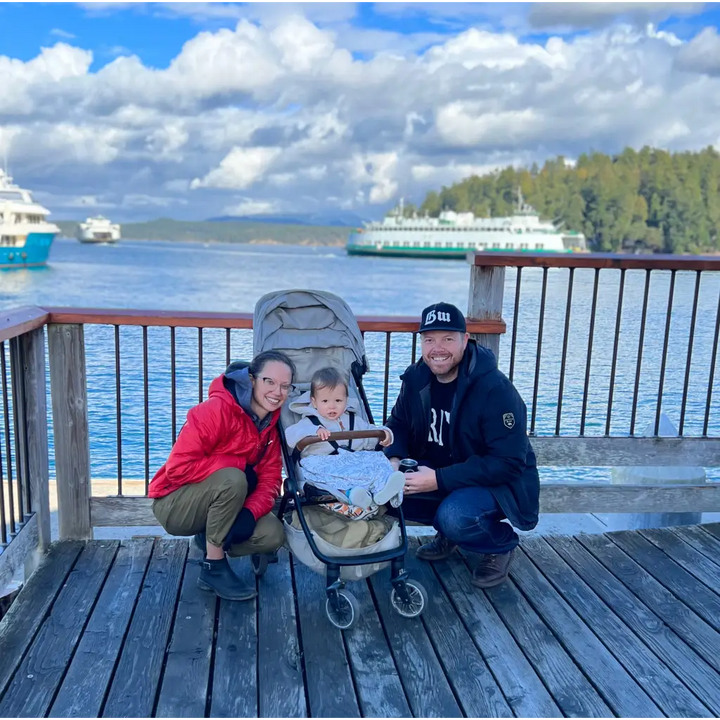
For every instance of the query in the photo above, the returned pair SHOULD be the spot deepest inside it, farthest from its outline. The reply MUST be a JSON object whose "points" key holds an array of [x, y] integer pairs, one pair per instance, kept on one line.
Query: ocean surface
{"points": [[231, 278]]}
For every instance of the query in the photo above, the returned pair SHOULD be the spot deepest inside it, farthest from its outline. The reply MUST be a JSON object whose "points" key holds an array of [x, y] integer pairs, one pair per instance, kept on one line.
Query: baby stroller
{"points": [[317, 329]]}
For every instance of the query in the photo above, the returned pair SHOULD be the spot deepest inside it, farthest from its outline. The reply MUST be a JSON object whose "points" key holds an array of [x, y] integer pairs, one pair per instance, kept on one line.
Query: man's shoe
{"points": [[217, 576], [491, 570], [438, 549]]}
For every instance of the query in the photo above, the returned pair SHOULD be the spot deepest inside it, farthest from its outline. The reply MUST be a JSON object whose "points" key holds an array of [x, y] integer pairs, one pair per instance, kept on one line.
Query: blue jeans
{"points": [[470, 517]]}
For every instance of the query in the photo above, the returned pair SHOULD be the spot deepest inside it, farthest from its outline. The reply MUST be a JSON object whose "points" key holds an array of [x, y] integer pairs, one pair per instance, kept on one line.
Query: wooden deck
{"points": [[623, 624]]}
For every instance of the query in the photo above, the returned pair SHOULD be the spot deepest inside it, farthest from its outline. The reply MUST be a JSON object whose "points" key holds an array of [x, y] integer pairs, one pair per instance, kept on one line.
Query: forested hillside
{"points": [[665, 202]]}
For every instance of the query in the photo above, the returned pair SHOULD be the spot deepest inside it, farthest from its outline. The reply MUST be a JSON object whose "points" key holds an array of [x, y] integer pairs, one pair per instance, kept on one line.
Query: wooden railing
{"points": [[72, 372]]}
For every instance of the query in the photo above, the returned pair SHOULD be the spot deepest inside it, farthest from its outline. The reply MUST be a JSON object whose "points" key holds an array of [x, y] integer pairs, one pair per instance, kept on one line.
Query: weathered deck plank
{"points": [[134, 687], [83, 689], [473, 684], [669, 646], [618, 688], [377, 682], [703, 541], [26, 614], [329, 685], [566, 682], [234, 688], [666, 571], [41, 671], [519, 682], [426, 686], [185, 681], [691, 627], [281, 690], [659, 682], [581, 628], [684, 554]]}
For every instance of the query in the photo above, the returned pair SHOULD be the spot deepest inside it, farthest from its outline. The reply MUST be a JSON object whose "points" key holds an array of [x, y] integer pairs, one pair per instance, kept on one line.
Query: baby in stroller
{"points": [[352, 472]]}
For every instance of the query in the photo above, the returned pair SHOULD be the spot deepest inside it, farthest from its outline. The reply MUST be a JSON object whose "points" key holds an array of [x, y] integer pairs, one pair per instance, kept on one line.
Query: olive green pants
{"points": [[211, 506]]}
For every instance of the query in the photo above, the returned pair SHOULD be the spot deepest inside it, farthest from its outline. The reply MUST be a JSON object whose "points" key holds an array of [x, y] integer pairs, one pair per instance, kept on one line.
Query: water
{"points": [[231, 278]]}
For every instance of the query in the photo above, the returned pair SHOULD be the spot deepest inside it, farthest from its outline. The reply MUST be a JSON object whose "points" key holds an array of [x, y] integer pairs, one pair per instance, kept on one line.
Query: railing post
{"points": [[485, 300], [72, 447], [32, 353]]}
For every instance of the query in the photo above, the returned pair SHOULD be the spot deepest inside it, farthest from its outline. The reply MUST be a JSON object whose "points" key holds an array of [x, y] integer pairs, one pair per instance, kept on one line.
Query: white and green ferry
{"points": [[452, 234]]}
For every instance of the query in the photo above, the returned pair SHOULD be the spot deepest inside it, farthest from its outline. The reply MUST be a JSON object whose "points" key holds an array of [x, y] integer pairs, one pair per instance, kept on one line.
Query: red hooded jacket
{"points": [[220, 434]]}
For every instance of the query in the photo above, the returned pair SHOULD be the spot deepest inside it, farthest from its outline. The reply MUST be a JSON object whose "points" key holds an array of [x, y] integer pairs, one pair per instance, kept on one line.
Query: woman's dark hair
{"points": [[326, 378], [263, 358]]}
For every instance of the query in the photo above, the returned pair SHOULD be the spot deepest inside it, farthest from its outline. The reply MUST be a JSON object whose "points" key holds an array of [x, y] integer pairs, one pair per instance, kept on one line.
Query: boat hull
{"points": [[435, 253], [33, 254], [97, 239]]}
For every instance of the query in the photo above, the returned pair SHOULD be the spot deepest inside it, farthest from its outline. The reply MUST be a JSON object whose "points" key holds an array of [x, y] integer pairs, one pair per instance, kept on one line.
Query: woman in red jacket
{"points": [[224, 472]]}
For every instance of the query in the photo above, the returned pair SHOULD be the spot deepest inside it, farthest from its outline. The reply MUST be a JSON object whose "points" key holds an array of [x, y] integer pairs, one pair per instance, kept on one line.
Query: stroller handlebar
{"points": [[345, 435]]}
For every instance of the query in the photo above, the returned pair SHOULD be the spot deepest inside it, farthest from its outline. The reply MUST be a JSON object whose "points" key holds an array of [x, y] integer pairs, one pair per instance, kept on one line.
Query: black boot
{"points": [[217, 576], [440, 548], [201, 543]]}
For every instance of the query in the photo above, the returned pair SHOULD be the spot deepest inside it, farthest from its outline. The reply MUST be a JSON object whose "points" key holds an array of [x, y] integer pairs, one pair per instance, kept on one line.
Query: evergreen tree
{"points": [[665, 202]]}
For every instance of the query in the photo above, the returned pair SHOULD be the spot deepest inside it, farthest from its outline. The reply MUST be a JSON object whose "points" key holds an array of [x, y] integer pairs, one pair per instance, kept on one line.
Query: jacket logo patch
{"points": [[509, 421]]}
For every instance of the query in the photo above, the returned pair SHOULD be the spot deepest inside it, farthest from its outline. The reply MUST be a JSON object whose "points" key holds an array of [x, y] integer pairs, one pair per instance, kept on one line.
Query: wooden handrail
{"points": [[19, 321], [168, 318], [594, 260]]}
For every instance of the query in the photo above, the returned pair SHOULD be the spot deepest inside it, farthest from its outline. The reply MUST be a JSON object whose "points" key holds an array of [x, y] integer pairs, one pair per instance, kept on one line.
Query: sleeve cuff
{"points": [[440, 481]]}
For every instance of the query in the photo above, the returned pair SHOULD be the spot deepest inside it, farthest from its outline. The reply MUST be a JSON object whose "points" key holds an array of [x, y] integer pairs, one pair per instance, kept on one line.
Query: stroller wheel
{"points": [[344, 610], [259, 564], [414, 602]]}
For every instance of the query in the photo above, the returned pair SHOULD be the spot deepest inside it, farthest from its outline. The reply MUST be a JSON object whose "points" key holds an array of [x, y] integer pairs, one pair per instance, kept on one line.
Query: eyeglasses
{"points": [[285, 388]]}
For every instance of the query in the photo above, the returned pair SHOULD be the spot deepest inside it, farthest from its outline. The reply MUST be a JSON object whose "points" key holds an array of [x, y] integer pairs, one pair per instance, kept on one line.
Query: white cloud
{"points": [[377, 170], [466, 124], [279, 109], [59, 32], [702, 53], [251, 207], [599, 14], [239, 169]]}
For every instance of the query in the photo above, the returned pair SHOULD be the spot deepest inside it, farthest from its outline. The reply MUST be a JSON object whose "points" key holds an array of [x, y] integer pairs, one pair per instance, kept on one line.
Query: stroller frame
{"points": [[408, 597]]}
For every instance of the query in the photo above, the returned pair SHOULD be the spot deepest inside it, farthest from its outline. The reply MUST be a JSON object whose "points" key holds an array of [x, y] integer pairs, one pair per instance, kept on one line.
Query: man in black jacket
{"points": [[465, 424]]}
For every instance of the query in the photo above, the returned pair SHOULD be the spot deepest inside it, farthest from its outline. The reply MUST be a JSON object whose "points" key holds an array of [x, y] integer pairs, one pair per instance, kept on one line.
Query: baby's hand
{"points": [[323, 433], [387, 439]]}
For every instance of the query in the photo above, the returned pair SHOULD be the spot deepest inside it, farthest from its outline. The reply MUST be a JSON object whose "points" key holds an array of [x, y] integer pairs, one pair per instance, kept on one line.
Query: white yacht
{"points": [[454, 234], [25, 234], [97, 230]]}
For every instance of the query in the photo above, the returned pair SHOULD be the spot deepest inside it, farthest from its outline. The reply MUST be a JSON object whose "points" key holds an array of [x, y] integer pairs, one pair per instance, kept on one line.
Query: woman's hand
{"points": [[323, 433], [387, 440]]}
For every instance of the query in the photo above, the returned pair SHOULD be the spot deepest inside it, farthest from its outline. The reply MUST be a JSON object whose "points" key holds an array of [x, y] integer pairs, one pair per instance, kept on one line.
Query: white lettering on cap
{"points": [[432, 316]]}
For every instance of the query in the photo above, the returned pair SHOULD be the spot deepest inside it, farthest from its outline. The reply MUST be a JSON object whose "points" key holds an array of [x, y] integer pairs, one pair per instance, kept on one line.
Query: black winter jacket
{"points": [[489, 445]]}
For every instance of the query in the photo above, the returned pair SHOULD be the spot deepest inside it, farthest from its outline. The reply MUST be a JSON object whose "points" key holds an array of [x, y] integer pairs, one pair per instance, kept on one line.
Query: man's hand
{"points": [[395, 462], [423, 480], [323, 433], [387, 440]]}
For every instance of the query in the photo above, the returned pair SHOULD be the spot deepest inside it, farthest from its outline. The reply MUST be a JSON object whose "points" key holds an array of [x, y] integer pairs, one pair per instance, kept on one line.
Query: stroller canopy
{"points": [[303, 322]]}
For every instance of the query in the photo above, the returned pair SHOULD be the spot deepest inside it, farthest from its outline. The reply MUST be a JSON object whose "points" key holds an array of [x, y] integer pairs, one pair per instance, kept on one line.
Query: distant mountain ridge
{"points": [[315, 220], [231, 230]]}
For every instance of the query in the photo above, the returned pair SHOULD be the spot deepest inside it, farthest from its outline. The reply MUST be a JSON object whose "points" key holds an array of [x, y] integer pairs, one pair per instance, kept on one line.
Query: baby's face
{"points": [[330, 402]]}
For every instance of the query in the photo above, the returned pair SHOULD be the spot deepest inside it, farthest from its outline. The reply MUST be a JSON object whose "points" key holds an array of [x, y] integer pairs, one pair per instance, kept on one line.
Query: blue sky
{"points": [[156, 32], [200, 109]]}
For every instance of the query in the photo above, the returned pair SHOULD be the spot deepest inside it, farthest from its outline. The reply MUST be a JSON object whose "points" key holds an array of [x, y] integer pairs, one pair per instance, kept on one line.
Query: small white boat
{"points": [[97, 230]]}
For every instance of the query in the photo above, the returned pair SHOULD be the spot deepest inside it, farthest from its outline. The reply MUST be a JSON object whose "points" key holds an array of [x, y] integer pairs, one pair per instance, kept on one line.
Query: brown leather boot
{"points": [[440, 548], [491, 570]]}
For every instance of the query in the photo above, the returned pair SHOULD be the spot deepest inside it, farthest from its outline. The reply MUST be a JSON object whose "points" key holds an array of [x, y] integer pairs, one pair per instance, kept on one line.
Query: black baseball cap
{"points": [[442, 316]]}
